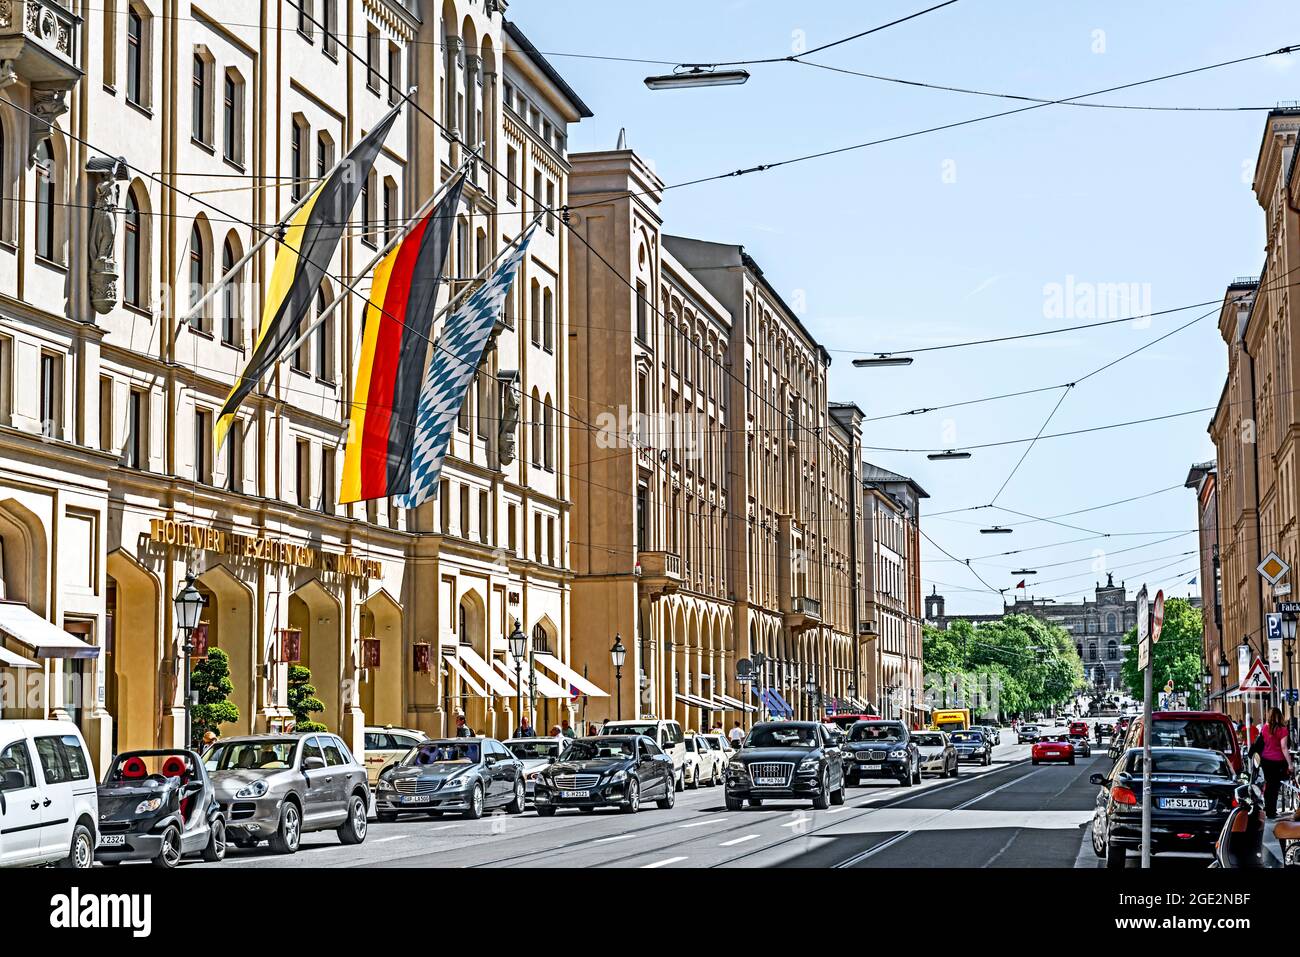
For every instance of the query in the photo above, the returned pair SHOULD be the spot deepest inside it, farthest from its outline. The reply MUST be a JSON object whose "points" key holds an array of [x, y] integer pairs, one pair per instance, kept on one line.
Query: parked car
{"points": [[882, 749], [992, 732], [609, 770], [464, 775], [722, 745], [1192, 794], [277, 787], [1027, 734], [937, 754], [49, 807], [972, 746], [703, 763], [1052, 747], [665, 733], [385, 745], [159, 806], [1211, 730], [786, 760], [536, 754]]}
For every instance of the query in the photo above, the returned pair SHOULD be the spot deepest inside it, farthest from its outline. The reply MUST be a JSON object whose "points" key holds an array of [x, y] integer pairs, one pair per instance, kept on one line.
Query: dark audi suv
{"points": [[786, 760], [611, 770]]}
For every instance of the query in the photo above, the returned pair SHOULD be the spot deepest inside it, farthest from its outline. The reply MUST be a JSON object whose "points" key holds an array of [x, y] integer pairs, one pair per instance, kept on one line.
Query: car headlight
{"points": [[147, 805], [385, 785], [254, 790], [809, 765], [736, 766], [898, 755], [616, 776]]}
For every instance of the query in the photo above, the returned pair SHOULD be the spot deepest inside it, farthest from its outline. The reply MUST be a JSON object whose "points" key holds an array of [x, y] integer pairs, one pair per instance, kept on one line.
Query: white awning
{"points": [[44, 639], [699, 702], [485, 671], [567, 674], [452, 662], [10, 660], [546, 688], [733, 705]]}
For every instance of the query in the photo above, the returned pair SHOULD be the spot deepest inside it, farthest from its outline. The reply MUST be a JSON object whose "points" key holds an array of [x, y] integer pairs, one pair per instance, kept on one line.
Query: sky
{"points": [[991, 229]]}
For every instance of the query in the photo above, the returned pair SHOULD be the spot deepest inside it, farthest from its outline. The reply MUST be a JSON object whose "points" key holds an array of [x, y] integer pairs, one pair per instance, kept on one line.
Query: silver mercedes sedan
{"points": [[277, 787]]}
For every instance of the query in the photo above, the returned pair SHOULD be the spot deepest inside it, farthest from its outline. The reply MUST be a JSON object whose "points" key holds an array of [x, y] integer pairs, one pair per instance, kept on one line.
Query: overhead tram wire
{"points": [[1024, 455]]}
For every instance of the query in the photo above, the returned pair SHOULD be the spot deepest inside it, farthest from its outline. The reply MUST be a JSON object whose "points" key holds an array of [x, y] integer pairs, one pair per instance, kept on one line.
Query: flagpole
{"points": [[231, 273]]}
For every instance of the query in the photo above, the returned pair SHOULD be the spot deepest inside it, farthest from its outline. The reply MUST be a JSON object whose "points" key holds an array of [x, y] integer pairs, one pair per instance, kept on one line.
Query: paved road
{"points": [[1010, 814]]}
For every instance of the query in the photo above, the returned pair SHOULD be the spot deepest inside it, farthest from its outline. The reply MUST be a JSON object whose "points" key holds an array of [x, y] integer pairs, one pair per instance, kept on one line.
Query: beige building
{"points": [[109, 489]]}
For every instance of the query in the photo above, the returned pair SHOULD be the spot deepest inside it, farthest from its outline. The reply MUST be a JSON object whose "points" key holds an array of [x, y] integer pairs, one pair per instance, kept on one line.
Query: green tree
{"points": [[210, 680], [303, 701], [1177, 655]]}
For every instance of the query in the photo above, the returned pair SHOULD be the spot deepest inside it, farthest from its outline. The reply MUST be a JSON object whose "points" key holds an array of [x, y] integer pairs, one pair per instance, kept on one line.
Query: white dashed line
{"points": [[616, 837], [738, 840], [663, 863], [696, 824]]}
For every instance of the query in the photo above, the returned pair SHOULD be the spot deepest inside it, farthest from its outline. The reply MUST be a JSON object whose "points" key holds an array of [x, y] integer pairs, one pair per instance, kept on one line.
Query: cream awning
{"points": [[546, 688], [698, 702], [9, 659], [452, 662], [485, 671], [731, 704], [44, 639], [567, 674]]}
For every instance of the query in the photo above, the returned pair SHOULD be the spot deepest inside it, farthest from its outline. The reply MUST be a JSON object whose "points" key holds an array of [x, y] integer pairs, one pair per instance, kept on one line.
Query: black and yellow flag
{"points": [[310, 239]]}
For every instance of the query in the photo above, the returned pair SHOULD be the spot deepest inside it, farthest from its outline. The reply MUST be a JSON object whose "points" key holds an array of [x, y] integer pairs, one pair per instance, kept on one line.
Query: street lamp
{"points": [[618, 655], [1224, 667], [695, 75], [810, 689], [1288, 642], [883, 359], [949, 456], [518, 642], [189, 606]]}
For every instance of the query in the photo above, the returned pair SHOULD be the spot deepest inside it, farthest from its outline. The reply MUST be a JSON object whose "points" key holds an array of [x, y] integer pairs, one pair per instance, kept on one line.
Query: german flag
{"points": [[309, 241], [398, 326]]}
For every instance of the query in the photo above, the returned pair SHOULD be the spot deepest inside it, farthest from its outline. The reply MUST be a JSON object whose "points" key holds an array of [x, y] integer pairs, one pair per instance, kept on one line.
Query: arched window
{"points": [[133, 248], [1110, 622], [536, 417], [1092, 651], [198, 271], [1112, 650], [45, 200], [535, 319], [231, 316]]}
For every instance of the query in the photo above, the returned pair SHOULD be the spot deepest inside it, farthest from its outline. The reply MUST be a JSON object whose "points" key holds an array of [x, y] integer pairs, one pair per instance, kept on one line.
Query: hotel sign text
{"points": [[260, 548]]}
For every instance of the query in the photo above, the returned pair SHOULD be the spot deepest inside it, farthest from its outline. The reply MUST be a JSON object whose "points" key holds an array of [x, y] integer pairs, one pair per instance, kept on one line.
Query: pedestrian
{"points": [[736, 735], [462, 729], [592, 730], [556, 731], [525, 729], [209, 739], [1275, 758], [565, 729]]}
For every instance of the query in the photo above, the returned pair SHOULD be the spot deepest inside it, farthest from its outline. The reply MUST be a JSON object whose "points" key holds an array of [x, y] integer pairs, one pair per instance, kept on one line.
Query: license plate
{"points": [[1185, 804], [575, 794], [769, 782], [112, 840], [416, 799], [870, 767]]}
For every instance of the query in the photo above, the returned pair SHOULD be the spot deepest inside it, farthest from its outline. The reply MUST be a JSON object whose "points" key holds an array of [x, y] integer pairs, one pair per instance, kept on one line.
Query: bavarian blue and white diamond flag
{"points": [[456, 356]]}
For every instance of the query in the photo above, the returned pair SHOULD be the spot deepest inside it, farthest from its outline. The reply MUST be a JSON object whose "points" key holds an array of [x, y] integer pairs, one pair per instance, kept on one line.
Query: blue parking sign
{"points": [[1274, 623]]}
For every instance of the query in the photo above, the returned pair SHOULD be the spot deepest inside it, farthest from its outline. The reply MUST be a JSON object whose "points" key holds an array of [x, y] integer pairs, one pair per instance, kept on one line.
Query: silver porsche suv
{"points": [[277, 787]]}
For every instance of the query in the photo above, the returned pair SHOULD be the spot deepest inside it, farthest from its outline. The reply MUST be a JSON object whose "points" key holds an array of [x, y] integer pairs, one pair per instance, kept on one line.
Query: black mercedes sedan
{"points": [[1192, 790], [883, 749], [786, 760], [464, 775], [610, 770], [972, 746]]}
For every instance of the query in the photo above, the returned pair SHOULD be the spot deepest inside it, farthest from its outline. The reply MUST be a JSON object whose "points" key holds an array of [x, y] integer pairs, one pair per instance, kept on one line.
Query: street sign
{"points": [[1243, 660], [1291, 694], [1143, 614], [1273, 568], [1273, 625], [1256, 679], [1280, 590], [1158, 616], [1144, 654], [1275, 655], [1289, 607]]}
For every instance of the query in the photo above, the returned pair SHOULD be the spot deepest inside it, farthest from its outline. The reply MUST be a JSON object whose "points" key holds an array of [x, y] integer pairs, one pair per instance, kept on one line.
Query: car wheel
{"points": [[1071, 761], [353, 830], [475, 809], [289, 833], [917, 777], [681, 781], [717, 776], [822, 800], [905, 780], [695, 779], [632, 800], [517, 805], [1116, 856], [854, 780], [669, 799], [386, 817], [215, 852], [81, 854], [1098, 837], [837, 796], [547, 811], [170, 853], [956, 768], [734, 803], [1033, 761]]}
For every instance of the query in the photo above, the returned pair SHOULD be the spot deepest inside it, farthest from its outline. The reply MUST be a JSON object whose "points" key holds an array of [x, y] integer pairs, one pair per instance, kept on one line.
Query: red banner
{"points": [[291, 645], [422, 658], [369, 652]]}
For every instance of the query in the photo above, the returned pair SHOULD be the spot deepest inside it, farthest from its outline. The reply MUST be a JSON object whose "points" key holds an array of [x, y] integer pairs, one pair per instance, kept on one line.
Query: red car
{"points": [[1055, 747], [1210, 730], [1079, 728]]}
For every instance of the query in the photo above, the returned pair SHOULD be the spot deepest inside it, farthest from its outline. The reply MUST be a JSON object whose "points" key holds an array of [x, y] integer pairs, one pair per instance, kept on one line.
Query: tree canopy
{"points": [[1177, 655]]}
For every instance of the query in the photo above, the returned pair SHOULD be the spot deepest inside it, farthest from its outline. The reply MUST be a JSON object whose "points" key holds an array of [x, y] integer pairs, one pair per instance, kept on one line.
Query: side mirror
{"points": [[13, 781], [313, 763], [1097, 779], [194, 787], [550, 759]]}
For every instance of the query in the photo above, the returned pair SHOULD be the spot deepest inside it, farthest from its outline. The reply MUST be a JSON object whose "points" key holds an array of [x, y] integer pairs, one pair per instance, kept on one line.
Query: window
{"points": [[444, 506], [16, 758], [230, 300], [1112, 650], [331, 17], [550, 206], [136, 39], [512, 520], [462, 249], [199, 99], [105, 413], [51, 394], [464, 511], [232, 113], [45, 200], [462, 417], [548, 321], [198, 273], [203, 446], [324, 155], [133, 285], [642, 317], [512, 172], [323, 337], [394, 73], [483, 527], [372, 59], [110, 43], [53, 764], [303, 451], [137, 431], [297, 157], [235, 457], [327, 481], [306, 14], [367, 210], [548, 440], [484, 405], [535, 315], [390, 210], [333, 751], [537, 192]]}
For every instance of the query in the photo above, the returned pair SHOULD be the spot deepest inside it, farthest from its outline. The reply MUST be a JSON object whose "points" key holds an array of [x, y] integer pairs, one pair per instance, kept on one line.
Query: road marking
{"points": [[739, 840], [696, 824], [385, 840], [616, 837], [443, 827], [663, 863]]}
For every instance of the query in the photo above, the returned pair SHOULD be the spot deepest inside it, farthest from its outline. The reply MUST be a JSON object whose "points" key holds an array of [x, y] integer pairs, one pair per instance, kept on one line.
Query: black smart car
{"points": [[786, 760], [883, 749], [159, 806], [611, 770]]}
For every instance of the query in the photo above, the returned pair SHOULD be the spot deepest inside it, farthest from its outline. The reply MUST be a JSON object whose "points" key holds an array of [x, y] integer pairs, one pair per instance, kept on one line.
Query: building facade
{"points": [[1203, 480], [110, 490]]}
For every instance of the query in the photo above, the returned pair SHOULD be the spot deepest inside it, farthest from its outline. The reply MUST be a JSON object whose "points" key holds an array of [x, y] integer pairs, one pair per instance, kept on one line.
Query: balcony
{"points": [[660, 572], [39, 43], [803, 613]]}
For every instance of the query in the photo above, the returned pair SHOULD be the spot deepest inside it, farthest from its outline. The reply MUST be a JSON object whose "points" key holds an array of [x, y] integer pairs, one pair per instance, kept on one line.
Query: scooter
{"points": [[1241, 842]]}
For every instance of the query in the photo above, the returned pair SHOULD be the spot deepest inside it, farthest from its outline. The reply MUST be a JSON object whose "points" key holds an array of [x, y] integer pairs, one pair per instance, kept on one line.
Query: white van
{"points": [[48, 799], [666, 733]]}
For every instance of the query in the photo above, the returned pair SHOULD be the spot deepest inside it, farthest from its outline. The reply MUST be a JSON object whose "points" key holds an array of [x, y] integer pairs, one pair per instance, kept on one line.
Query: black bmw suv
{"points": [[883, 749], [786, 760]]}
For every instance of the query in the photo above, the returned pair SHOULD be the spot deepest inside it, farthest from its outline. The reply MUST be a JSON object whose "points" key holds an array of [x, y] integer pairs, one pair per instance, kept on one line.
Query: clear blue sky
{"points": [[889, 253]]}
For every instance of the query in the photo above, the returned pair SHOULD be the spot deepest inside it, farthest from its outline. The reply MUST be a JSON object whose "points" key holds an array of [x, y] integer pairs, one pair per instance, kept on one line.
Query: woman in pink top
{"points": [[1275, 758]]}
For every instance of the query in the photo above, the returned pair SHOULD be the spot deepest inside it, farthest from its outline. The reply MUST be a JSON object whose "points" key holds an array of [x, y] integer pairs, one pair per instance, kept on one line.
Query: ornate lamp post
{"points": [[1288, 642], [810, 689], [518, 642], [189, 607], [618, 655]]}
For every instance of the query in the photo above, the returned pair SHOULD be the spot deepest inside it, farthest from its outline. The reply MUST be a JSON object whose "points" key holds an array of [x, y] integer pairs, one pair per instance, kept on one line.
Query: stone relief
{"points": [[506, 449]]}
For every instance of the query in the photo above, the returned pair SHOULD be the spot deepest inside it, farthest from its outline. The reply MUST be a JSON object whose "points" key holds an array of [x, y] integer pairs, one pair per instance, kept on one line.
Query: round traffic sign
{"points": [[1157, 616]]}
